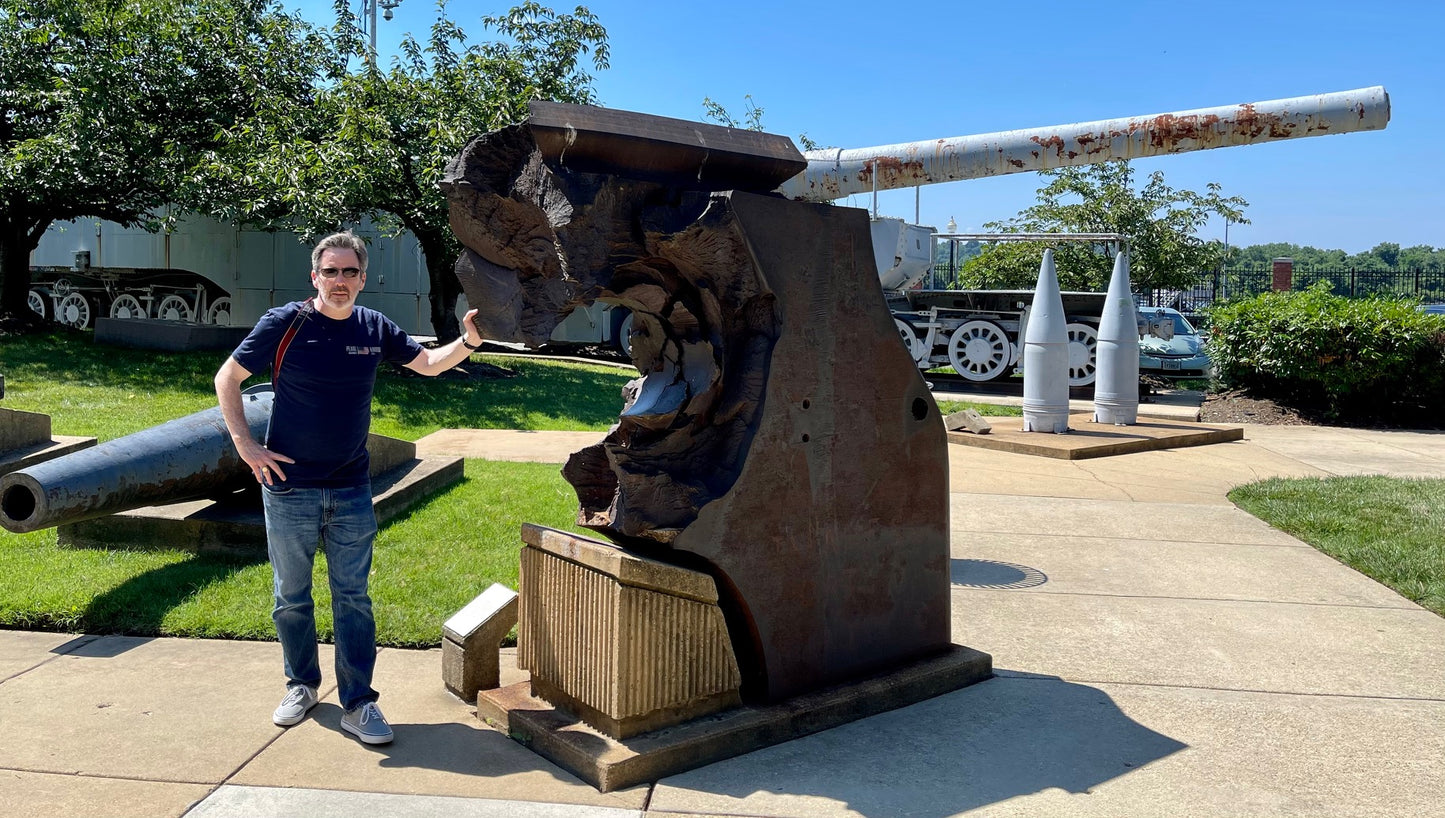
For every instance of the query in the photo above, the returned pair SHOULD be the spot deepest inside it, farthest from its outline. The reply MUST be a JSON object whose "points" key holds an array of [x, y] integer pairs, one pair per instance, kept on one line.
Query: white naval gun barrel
{"points": [[835, 173], [1046, 356], [1116, 388]]}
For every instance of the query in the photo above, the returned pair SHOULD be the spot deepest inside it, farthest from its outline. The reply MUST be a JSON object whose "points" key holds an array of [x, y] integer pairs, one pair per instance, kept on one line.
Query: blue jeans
{"points": [[296, 519]]}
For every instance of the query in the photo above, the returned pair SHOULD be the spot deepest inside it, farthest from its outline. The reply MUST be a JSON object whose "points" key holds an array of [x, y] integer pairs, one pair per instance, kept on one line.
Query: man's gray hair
{"points": [[345, 240]]}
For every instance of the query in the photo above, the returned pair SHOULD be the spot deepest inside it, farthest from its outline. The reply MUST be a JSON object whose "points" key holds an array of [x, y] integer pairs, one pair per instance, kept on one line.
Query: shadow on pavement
{"points": [[997, 740], [994, 574], [445, 747]]}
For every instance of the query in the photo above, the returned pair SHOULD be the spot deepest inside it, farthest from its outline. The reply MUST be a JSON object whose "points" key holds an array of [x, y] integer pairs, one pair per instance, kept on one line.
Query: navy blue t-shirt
{"points": [[322, 410]]}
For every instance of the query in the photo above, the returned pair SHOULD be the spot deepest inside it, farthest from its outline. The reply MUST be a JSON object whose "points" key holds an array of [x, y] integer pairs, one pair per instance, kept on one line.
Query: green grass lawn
{"points": [[428, 563], [106, 392], [992, 410], [1388, 528]]}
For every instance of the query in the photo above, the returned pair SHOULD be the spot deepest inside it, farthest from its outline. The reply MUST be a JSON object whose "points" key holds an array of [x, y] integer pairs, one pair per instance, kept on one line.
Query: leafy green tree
{"points": [[1160, 222], [1383, 256], [1422, 257], [752, 118], [375, 142], [1387, 252], [107, 105]]}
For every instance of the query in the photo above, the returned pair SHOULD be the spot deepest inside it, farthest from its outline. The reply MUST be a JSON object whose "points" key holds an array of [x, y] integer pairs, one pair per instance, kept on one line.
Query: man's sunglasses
{"points": [[330, 272]]}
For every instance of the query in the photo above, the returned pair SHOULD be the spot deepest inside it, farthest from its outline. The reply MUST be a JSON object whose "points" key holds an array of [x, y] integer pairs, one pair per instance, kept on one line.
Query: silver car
{"points": [[1179, 356]]}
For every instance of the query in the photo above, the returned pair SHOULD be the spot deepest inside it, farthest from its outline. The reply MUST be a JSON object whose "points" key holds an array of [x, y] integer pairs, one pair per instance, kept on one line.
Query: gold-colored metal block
{"points": [[627, 643]]}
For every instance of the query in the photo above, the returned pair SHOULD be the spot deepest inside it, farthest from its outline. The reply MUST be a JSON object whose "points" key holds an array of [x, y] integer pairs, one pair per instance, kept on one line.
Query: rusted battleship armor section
{"points": [[185, 459], [750, 445], [673, 151], [835, 533]]}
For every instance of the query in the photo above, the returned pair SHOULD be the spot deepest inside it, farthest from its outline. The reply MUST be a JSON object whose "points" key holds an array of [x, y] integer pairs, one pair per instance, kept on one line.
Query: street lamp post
{"points": [[1219, 293], [952, 244], [368, 19]]}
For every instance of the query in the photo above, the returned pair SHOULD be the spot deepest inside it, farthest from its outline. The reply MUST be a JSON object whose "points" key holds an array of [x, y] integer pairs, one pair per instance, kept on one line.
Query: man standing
{"points": [[313, 468]]}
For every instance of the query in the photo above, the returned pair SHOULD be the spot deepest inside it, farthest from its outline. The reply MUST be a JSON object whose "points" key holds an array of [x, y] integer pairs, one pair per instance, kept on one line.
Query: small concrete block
{"points": [[471, 639], [969, 420]]}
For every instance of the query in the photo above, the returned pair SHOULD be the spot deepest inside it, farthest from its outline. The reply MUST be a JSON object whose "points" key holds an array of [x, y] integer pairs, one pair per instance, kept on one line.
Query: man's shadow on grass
{"points": [[139, 605]]}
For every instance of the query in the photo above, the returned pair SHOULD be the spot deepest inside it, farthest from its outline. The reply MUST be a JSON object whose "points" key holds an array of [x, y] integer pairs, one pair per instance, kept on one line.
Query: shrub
{"points": [[1337, 359]]}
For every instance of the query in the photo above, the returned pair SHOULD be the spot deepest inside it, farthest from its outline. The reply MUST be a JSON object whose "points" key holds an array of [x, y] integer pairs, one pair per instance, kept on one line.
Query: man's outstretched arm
{"points": [[439, 360]]}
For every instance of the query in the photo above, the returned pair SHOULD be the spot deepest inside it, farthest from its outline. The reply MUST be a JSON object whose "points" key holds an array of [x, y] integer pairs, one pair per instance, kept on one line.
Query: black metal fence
{"points": [[1426, 285]]}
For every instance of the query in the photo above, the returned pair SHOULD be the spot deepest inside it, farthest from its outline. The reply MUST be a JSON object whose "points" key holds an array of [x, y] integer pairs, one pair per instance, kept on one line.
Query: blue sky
{"points": [[855, 74]]}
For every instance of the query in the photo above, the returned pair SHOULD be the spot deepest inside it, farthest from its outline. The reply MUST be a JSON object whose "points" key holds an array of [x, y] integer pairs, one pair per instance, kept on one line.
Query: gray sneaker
{"points": [[292, 709], [367, 724]]}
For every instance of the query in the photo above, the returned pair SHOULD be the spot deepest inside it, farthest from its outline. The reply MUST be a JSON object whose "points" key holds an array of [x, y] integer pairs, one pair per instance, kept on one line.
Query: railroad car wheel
{"points": [[39, 303], [175, 308], [911, 341], [219, 312], [74, 310], [1083, 354], [623, 338], [126, 305], [980, 351]]}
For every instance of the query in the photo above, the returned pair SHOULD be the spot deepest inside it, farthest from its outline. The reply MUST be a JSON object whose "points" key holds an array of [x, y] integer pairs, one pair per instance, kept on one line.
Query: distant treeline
{"points": [[1383, 256]]}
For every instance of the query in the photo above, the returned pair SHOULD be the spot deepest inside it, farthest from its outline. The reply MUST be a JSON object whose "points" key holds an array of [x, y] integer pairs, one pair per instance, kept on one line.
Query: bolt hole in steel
{"points": [[805, 438], [18, 503], [920, 408], [1083, 354], [807, 403]]}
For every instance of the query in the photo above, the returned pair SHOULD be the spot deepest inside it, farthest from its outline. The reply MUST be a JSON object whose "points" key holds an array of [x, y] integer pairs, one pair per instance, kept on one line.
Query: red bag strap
{"points": [[301, 316]]}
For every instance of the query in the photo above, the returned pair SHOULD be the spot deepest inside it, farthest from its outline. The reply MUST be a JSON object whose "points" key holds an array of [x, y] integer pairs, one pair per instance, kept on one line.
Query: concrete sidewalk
{"points": [[1158, 652]]}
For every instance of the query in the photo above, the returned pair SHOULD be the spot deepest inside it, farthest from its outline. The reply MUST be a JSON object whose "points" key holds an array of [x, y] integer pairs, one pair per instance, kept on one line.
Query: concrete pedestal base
{"points": [[168, 336], [25, 439], [1087, 439], [27, 456], [236, 524], [609, 764]]}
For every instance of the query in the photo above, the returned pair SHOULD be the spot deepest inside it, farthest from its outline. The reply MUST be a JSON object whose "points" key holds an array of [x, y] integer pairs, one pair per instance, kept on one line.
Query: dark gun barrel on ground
{"points": [[185, 459]]}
